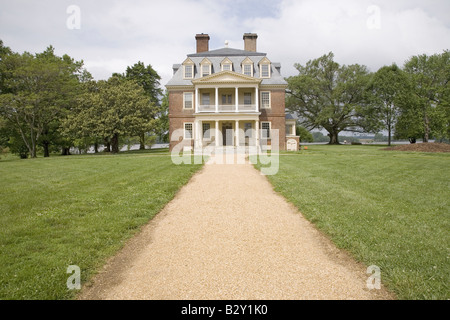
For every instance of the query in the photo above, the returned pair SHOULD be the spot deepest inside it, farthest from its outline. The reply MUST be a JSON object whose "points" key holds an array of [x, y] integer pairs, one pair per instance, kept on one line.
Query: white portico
{"points": [[226, 110]]}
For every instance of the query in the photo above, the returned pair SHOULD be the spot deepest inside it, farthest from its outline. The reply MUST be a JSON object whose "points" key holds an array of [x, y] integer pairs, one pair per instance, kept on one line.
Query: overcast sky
{"points": [[111, 35]]}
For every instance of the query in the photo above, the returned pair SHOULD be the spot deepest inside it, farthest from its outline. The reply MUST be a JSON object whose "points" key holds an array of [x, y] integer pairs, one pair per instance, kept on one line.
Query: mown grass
{"points": [[76, 210], [387, 208]]}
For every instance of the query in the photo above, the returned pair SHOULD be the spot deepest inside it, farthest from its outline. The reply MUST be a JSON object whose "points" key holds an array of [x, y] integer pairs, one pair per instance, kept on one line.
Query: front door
{"points": [[227, 134]]}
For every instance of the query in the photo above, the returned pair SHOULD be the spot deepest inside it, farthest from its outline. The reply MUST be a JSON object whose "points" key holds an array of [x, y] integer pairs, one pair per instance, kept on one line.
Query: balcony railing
{"points": [[227, 108]]}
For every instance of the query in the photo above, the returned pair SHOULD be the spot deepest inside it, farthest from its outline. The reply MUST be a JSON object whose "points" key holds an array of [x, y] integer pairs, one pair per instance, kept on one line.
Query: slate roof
{"points": [[236, 56]]}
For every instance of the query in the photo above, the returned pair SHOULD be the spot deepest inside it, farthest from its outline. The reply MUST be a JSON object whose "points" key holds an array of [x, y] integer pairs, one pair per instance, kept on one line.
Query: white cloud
{"points": [[116, 34], [308, 29]]}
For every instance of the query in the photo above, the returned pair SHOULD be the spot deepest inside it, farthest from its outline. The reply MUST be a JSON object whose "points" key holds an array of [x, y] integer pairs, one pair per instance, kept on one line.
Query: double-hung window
{"points": [[206, 70], [188, 130], [206, 99], [265, 99], [188, 71], [206, 130], [247, 98], [226, 67], [188, 101], [265, 71], [248, 70], [265, 130], [226, 99]]}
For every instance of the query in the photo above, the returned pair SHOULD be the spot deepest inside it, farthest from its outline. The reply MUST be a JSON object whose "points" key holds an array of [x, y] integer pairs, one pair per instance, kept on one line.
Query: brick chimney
{"points": [[250, 41], [202, 42]]}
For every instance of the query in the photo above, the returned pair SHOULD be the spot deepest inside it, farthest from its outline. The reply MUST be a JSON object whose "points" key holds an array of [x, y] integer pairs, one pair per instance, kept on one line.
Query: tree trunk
{"points": [[115, 143], [65, 151], [96, 147], [107, 145], [389, 133], [142, 141], [46, 145], [33, 145], [334, 138], [426, 129]]}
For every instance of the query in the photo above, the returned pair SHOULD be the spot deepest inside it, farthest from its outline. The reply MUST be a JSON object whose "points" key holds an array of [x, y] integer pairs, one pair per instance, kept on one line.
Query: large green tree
{"points": [[109, 109], [425, 113], [36, 92], [387, 89], [149, 80], [327, 95]]}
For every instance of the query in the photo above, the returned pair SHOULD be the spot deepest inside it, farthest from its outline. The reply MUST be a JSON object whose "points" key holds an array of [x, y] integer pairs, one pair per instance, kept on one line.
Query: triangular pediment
{"points": [[205, 61], [188, 61], [226, 61], [226, 77], [264, 61], [247, 61]]}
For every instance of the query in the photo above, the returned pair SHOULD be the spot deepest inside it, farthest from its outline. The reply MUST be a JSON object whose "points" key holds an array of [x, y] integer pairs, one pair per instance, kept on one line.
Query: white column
{"points": [[200, 134], [237, 132], [257, 133], [257, 99], [197, 106], [217, 133], [217, 99], [236, 94], [195, 134]]}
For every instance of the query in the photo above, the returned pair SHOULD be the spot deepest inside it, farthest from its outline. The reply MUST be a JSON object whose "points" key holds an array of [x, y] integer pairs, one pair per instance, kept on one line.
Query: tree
{"points": [[319, 137], [386, 88], [326, 95], [109, 109], [148, 79], [304, 134], [36, 91], [425, 112], [162, 119]]}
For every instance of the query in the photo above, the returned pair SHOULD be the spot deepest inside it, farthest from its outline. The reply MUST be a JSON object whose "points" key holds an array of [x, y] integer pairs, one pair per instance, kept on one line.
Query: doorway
{"points": [[227, 134]]}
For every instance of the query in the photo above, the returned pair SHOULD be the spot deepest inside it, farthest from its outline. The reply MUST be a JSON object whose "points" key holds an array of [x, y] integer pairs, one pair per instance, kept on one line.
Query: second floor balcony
{"points": [[223, 100], [202, 108]]}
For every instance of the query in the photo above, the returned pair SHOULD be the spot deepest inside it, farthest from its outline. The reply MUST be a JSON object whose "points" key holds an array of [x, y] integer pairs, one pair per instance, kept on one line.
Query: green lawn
{"points": [[76, 210], [387, 208]]}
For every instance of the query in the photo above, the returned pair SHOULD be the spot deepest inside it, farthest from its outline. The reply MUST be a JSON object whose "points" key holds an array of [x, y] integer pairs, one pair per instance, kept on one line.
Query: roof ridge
{"points": [[226, 52]]}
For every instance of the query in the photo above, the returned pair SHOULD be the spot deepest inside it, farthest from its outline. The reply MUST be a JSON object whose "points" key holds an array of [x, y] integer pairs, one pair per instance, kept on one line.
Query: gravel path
{"points": [[228, 235]]}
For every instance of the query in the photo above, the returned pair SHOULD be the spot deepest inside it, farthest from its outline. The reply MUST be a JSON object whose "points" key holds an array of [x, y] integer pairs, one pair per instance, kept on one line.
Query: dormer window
{"points": [[188, 69], [205, 67], [264, 68], [226, 65], [188, 72], [247, 67]]}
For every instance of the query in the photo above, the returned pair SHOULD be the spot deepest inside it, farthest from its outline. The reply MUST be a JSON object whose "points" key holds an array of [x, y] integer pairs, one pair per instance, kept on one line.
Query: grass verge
{"points": [[387, 208], [76, 210]]}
